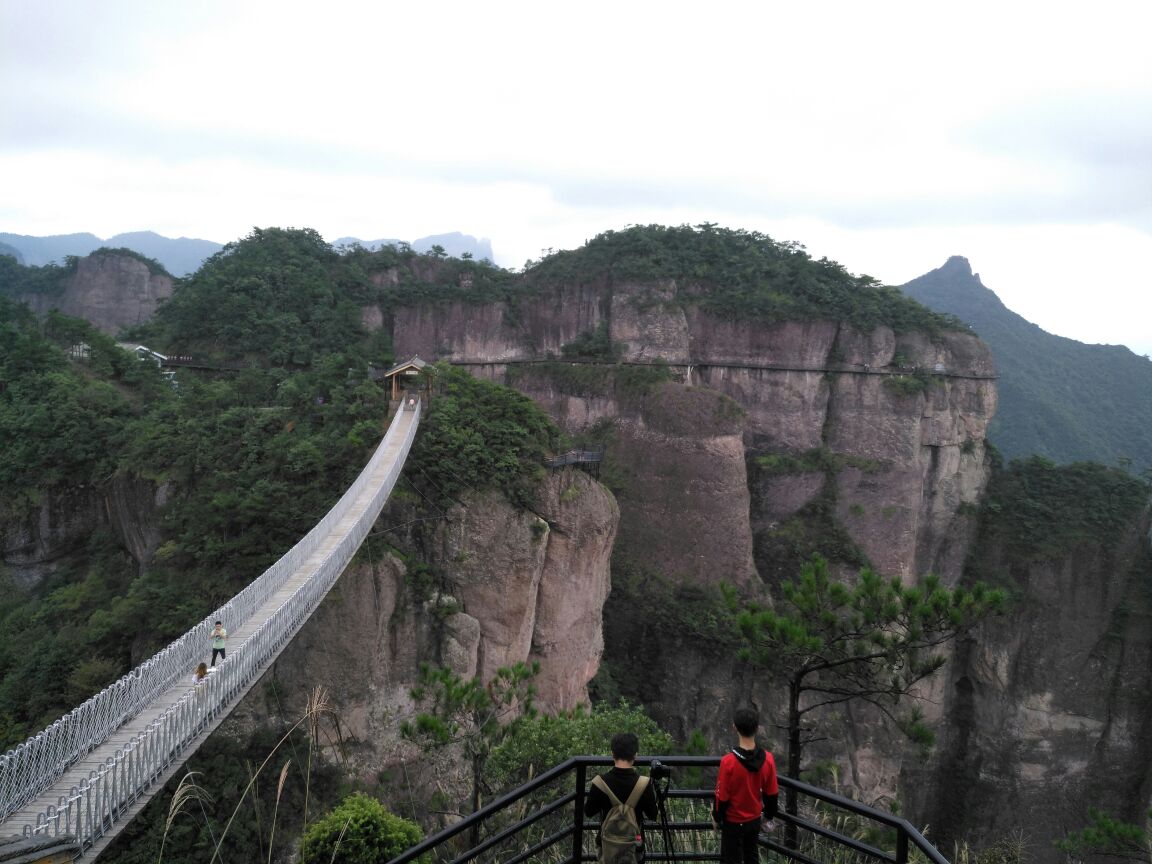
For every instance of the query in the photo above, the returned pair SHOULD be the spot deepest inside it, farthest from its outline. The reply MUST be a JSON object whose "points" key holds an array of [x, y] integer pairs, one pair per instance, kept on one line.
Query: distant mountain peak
{"points": [[1059, 398], [957, 265]]}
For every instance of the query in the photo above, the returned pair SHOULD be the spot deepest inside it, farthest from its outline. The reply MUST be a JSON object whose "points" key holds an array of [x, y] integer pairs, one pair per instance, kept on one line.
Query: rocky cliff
{"points": [[762, 434], [495, 585], [37, 540], [110, 290], [910, 455], [1046, 712], [735, 447]]}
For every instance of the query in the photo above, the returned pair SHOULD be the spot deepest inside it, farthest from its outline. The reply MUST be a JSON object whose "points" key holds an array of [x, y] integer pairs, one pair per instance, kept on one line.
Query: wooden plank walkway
{"points": [[238, 634]]}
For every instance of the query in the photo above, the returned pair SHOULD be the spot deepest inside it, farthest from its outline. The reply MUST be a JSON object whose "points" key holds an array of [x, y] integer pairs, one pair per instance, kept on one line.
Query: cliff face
{"points": [[516, 586], [760, 431], [910, 457], [1048, 713], [110, 291], [33, 543]]}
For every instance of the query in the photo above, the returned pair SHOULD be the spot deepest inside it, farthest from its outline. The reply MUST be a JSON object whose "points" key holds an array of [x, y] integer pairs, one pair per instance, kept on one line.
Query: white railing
{"points": [[91, 807]]}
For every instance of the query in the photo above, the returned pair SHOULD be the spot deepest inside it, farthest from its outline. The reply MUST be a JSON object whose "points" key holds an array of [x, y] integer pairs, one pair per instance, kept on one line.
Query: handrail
{"points": [[575, 457], [574, 772], [92, 805]]}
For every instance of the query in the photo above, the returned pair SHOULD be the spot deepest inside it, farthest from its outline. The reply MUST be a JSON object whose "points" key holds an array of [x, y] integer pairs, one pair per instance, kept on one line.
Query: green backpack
{"points": [[620, 831]]}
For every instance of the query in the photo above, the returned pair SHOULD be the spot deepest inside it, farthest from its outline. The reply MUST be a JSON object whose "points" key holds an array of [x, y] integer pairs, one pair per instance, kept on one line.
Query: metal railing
{"points": [[543, 821], [93, 805], [575, 457]]}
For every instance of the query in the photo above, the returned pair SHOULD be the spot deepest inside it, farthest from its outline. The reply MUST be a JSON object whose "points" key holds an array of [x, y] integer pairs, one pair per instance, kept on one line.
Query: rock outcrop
{"points": [[882, 431], [517, 586], [912, 455], [1046, 713], [35, 540], [111, 291]]}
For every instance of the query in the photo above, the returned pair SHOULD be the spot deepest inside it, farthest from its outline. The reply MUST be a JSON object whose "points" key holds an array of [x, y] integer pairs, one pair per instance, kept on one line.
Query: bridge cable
{"points": [[416, 489]]}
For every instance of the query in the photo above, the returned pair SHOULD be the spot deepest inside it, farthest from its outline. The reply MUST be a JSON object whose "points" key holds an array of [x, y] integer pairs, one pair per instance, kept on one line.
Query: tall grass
{"points": [[190, 792]]}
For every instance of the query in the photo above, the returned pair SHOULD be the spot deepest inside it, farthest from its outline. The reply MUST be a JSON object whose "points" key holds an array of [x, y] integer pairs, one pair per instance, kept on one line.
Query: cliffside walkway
{"points": [[686, 368], [92, 770]]}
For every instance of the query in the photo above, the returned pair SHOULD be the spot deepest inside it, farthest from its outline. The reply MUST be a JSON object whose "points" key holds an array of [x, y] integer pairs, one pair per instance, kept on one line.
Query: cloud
{"points": [[887, 136]]}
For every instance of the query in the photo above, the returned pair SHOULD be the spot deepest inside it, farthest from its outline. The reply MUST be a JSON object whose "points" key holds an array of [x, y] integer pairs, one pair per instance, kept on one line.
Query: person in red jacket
{"points": [[746, 792]]}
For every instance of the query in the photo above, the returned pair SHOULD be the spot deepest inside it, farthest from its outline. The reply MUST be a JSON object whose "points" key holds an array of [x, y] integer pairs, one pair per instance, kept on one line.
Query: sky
{"points": [[887, 135]]}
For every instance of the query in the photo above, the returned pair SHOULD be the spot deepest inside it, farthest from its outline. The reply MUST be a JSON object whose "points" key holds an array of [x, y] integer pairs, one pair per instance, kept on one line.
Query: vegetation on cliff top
{"points": [[1041, 511], [279, 297], [18, 280], [738, 273], [479, 435]]}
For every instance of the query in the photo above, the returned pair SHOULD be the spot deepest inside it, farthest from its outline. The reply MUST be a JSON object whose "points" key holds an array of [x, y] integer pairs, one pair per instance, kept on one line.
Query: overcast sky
{"points": [[885, 135]]}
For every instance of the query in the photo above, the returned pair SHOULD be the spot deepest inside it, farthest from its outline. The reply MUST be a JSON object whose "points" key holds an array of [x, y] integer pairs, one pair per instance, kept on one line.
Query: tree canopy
{"points": [[873, 641], [480, 435], [278, 297], [358, 831], [738, 273]]}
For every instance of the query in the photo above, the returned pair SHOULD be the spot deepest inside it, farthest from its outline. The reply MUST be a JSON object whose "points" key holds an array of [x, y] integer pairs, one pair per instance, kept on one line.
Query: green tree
{"points": [[471, 714], [480, 435], [541, 742], [1108, 836], [358, 831], [872, 642]]}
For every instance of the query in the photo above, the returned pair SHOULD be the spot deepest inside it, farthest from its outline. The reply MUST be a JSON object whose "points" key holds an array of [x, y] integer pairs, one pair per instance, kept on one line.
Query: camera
{"points": [[659, 770]]}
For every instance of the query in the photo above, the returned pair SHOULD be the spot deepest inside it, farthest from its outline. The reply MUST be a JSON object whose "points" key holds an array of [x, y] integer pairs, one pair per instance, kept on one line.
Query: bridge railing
{"points": [[89, 808], [543, 821]]}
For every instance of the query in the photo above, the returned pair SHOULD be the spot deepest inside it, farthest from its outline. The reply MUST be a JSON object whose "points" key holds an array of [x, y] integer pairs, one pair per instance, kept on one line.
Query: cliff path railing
{"points": [[544, 821], [150, 717]]}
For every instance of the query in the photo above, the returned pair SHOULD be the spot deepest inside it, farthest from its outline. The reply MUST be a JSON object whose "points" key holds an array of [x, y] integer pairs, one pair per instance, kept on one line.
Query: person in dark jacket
{"points": [[620, 779], [746, 792]]}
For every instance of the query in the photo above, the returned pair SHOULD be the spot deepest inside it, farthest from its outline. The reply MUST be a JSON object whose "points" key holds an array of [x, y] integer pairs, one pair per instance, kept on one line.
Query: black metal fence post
{"points": [[578, 814]]}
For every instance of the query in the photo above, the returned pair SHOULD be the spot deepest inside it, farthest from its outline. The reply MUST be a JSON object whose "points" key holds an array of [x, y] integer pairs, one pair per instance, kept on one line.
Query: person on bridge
{"points": [[219, 638], [200, 675]]}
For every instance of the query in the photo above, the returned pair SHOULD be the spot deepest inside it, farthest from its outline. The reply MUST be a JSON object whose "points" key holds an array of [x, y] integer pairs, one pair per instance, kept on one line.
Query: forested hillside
{"points": [[248, 460], [738, 274], [1059, 398]]}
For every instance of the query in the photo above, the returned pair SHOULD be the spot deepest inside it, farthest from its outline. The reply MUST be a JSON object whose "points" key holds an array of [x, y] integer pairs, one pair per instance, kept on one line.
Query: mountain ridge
{"points": [[1059, 398], [184, 255]]}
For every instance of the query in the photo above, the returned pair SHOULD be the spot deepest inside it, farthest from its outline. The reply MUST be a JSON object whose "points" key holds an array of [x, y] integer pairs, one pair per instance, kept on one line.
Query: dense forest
{"points": [[738, 273], [250, 458]]}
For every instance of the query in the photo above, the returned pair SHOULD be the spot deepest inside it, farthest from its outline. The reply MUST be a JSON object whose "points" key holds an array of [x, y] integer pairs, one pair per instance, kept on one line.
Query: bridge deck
{"points": [[238, 635]]}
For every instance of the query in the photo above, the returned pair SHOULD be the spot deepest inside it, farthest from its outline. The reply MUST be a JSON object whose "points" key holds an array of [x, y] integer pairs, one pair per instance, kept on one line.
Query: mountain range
{"points": [[183, 255], [1058, 398], [454, 244], [180, 256]]}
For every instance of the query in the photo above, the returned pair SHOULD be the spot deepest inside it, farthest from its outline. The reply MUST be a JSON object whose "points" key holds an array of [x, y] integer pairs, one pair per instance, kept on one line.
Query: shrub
{"points": [[909, 385], [359, 831]]}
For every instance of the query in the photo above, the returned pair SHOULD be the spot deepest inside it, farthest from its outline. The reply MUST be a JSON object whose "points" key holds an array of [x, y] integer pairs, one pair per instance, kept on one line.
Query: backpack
{"points": [[620, 830]]}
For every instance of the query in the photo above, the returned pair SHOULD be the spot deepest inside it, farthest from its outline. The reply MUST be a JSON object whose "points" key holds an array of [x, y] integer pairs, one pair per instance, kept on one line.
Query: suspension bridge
{"points": [[92, 770]]}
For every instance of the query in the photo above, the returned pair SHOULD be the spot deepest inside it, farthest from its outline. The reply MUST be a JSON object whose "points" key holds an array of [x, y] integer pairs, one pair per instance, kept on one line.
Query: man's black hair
{"points": [[219, 622], [746, 721], [625, 746]]}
